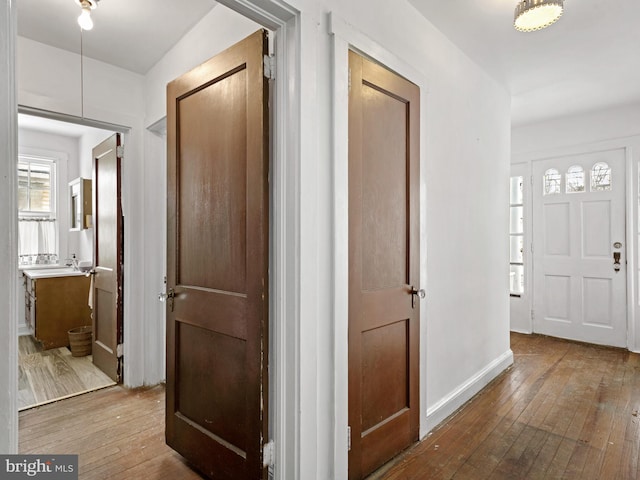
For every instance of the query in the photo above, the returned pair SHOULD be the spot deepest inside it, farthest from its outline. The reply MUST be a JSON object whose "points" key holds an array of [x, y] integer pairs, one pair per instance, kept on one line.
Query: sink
{"points": [[52, 272]]}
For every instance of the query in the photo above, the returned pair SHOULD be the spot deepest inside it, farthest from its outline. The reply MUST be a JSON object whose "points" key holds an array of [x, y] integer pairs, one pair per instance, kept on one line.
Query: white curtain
{"points": [[37, 240]]}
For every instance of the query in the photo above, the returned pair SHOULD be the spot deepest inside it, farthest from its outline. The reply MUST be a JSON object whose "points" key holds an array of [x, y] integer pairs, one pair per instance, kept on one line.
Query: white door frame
{"points": [[9, 220]]}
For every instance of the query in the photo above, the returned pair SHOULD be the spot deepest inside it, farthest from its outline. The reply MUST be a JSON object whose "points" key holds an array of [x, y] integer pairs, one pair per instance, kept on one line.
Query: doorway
{"points": [[384, 263], [49, 292], [579, 247]]}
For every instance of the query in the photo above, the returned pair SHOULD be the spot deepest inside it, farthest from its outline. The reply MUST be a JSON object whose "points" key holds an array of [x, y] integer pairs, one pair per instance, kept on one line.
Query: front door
{"points": [[384, 314], [217, 263], [108, 255], [579, 248]]}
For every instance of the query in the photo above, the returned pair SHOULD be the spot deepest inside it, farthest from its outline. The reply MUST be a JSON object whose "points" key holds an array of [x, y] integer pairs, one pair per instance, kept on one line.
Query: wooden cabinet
{"points": [[54, 305]]}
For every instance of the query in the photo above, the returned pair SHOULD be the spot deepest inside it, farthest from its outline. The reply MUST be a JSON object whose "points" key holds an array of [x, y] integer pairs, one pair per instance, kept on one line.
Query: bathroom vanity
{"points": [[56, 300]]}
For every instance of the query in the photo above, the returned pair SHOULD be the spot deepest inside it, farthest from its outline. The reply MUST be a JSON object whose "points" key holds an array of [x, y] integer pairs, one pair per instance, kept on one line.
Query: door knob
{"points": [[420, 293], [416, 293]]}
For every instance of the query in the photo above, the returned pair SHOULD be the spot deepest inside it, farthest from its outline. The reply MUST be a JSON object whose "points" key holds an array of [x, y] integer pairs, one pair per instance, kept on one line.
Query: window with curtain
{"points": [[37, 226]]}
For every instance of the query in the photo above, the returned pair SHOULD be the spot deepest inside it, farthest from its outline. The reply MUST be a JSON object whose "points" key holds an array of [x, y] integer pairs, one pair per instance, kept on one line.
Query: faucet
{"points": [[74, 261]]}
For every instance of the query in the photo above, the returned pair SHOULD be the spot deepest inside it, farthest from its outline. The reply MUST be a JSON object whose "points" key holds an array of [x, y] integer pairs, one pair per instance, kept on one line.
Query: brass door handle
{"points": [[616, 261]]}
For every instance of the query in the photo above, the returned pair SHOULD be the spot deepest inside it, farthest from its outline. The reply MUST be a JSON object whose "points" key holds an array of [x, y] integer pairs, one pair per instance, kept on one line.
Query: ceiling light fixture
{"points": [[84, 20], [534, 15]]}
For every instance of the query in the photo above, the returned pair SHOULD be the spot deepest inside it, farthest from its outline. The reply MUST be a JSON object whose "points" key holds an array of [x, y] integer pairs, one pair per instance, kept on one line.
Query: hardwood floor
{"points": [[116, 433], [49, 375], [563, 411]]}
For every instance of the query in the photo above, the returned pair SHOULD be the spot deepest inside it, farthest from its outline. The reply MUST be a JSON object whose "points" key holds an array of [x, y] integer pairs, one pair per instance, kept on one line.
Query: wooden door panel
{"points": [[383, 265], [205, 357], [217, 262], [384, 200], [384, 362], [108, 257], [217, 188]]}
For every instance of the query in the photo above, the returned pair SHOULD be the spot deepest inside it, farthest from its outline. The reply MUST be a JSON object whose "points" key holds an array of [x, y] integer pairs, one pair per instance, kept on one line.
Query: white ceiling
{"points": [[132, 34], [588, 60]]}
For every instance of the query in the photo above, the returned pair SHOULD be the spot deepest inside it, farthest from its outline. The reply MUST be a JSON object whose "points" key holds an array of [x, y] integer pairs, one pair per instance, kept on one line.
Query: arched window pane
{"points": [[575, 179], [600, 177], [552, 179]]}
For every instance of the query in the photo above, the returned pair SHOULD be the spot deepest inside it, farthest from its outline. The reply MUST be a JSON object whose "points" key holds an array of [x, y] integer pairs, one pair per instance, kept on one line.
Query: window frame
{"points": [[53, 185]]}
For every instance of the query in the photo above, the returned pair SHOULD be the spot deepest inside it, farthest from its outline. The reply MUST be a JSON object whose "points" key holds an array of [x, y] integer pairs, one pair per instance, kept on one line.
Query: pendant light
{"points": [[532, 15], [84, 20]]}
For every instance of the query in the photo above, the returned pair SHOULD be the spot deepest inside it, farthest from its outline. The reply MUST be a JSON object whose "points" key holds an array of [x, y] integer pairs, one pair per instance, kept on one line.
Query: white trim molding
{"points": [[8, 234], [465, 392]]}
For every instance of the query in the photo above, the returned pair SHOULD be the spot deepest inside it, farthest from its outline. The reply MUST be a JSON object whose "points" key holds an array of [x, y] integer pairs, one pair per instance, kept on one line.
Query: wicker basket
{"points": [[80, 341]]}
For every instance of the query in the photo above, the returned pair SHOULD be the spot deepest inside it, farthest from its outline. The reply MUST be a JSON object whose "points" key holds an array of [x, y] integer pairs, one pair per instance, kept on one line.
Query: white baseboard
{"points": [[23, 329], [521, 330], [465, 392]]}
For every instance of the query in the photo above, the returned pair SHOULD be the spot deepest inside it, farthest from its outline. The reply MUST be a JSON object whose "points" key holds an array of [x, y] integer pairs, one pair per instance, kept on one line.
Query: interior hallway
{"points": [[564, 410]]}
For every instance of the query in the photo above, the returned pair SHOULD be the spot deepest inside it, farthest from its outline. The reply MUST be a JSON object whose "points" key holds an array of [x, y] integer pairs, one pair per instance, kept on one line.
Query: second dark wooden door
{"points": [[383, 265], [217, 263], [108, 255]]}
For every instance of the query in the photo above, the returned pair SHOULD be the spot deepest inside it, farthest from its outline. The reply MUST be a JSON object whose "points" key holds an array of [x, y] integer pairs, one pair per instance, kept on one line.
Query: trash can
{"points": [[80, 341]]}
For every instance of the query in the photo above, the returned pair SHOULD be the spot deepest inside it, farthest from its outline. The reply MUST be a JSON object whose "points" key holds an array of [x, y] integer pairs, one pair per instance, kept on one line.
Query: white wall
{"points": [[465, 167], [595, 131]]}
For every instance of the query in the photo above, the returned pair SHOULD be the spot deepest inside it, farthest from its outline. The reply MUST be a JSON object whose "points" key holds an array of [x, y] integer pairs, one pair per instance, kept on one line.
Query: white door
{"points": [[578, 232]]}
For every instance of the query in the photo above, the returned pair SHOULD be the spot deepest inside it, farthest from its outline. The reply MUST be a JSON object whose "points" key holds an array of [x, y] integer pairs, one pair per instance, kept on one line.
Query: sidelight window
{"points": [[516, 236]]}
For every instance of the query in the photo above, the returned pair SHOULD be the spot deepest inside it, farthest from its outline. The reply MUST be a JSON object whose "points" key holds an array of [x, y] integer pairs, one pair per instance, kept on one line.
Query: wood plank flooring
{"points": [[49, 375], [116, 433], [564, 411]]}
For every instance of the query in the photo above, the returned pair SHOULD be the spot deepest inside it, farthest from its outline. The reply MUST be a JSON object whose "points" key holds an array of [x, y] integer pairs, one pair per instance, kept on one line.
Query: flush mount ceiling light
{"points": [[534, 15], [84, 20]]}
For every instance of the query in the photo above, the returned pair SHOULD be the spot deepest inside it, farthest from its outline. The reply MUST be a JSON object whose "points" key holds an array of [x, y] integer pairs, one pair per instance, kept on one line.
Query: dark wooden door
{"points": [[108, 256], [383, 265], [217, 262]]}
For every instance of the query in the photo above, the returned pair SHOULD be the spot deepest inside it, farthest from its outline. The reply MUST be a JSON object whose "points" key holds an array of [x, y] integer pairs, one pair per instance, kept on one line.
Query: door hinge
{"points": [[119, 350], [532, 316], [349, 438], [531, 180], [120, 151], [269, 62], [268, 454], [349, 80]]}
